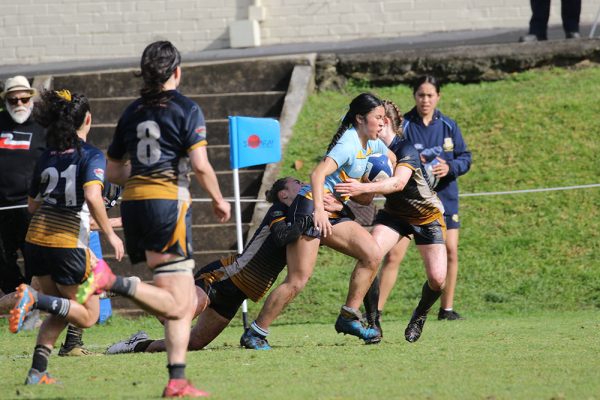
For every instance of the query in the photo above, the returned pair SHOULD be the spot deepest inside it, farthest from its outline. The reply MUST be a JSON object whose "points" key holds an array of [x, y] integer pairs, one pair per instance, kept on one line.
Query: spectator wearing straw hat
{"points": [[22, 141]]}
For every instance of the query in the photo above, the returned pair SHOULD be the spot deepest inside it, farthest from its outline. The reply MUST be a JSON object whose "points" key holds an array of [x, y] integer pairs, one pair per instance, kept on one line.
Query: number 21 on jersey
{"points": [[51, 177]]}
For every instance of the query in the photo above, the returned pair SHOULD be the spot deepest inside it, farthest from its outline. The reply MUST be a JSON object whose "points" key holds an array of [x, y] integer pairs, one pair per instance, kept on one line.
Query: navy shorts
{"points": [[225, 298], [65, 266], [452, 221], [163, 226], [431, 233], [302, 208]]}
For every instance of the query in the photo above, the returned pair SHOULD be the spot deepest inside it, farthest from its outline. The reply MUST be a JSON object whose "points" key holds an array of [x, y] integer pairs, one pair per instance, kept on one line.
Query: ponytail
{"points": [[62, 113]]}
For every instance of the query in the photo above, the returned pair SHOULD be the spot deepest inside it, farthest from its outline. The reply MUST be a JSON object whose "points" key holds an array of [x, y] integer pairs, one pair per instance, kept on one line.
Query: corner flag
{"points": [[253, 141]]}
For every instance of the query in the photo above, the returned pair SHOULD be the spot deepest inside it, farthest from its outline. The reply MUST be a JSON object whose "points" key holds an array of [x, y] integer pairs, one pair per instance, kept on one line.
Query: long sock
{"points": [[371, 302], [428, 298], [41, 354], [54, 305], [74, 336], [258, 330], [125, 286], [176, 371], [142, 346]]}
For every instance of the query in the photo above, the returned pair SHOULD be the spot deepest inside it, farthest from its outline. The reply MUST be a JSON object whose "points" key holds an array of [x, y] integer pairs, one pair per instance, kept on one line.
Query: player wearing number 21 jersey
{"points": [[63, 219]]}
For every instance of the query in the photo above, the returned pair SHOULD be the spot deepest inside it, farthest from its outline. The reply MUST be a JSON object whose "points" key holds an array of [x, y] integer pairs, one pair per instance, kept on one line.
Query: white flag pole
{"points": [[238, 229]]}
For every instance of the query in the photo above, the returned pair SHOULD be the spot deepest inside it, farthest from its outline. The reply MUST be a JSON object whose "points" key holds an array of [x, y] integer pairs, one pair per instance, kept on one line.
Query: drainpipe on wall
{"points": [[246, 32]]}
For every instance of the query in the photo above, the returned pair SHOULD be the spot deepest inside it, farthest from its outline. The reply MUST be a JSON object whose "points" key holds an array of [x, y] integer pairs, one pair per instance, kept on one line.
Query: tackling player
{"points": [[223, 285], [411, 207]]}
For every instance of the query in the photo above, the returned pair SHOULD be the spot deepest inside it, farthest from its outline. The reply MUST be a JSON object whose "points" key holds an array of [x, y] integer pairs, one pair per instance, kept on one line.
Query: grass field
{"points": [[488, 356], [529, 276]]}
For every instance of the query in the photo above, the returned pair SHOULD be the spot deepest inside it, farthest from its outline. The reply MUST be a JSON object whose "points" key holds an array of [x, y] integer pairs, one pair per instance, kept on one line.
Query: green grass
{"points": [[529, 276], [529, 356], [520, 252]]}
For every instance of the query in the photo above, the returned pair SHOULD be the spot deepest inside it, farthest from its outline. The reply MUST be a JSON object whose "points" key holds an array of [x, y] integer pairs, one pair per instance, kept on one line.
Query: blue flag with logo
{"points": [[253, 141]]}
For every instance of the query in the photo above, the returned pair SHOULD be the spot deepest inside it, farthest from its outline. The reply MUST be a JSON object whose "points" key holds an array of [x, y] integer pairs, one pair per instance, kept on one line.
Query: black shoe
{"points": [[572, 35], [450, 315], [415, 327]]}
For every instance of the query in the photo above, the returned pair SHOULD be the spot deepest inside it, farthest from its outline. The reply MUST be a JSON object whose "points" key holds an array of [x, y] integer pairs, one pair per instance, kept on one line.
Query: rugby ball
{"points": [[378, 167], [431, 178], [111, 194]]}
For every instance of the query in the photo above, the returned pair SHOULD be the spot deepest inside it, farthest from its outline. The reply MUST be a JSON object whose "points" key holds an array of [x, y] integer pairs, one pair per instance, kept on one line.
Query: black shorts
{"points": [[163, 226], [431, 233], [302, 208], [225, 298], [65, 266], [452, 221]]}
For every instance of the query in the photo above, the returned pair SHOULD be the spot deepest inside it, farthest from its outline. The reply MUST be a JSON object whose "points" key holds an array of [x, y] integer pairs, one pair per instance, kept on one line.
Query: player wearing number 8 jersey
{"points": [[157, 138]]}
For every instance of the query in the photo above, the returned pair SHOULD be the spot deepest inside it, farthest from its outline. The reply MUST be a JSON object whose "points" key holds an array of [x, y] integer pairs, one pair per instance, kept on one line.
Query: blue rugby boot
{"points": [[35, 377], [348, 323], [254, 341]]}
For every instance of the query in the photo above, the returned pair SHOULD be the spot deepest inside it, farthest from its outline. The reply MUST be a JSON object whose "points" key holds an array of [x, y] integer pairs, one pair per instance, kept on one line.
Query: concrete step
{"points": [[253, 75], [218, 133], [250, 180], [107, 110]]}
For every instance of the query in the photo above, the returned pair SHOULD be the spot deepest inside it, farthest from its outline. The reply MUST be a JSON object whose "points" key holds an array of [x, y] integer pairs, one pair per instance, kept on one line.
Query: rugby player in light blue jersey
{"points": [[345, 159]]}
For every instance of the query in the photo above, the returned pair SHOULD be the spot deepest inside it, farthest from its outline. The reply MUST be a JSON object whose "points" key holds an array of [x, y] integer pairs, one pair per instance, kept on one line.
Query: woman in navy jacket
{"points": [[441, 145]]}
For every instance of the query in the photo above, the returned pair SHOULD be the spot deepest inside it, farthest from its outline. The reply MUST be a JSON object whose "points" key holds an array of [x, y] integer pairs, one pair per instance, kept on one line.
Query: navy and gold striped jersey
{"points": [[58, 181], [256, 269], [417, 203], [157, 140]]}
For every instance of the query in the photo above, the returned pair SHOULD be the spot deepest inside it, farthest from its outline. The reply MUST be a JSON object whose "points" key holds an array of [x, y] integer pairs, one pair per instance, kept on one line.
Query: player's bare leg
{"points": [[447, 299], [301, 257], [389, 270]]}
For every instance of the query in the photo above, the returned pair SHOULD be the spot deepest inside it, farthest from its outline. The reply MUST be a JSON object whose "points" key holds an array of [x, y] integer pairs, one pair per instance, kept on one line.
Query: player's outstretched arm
{"points": [[205, 174]]}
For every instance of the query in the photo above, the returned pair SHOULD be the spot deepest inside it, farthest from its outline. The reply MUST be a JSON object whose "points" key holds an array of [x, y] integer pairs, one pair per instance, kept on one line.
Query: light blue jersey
{"points": [[351, 159]]}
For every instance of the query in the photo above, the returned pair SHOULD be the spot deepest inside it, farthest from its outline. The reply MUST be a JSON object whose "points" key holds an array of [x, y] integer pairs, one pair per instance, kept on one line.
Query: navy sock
{"points": [[371, 302], [54, 305], [176, 371], [41, 354], [74, 335], [142, 346], [428, 298], [124, 286]]}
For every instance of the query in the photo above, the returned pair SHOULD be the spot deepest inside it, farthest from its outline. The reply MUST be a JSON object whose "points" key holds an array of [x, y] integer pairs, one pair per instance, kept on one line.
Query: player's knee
{"points": [[179, 309], [452, 257], [372, 259], [437, 283], [296, 284], [86, 322]]}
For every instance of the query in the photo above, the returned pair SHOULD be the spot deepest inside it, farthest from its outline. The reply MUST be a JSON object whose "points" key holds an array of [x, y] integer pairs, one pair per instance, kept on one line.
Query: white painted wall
{"points": [[34, 31]]}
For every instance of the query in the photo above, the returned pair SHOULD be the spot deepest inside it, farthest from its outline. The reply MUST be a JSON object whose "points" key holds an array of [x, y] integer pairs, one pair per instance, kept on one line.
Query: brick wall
{"points": [[33, 31]]}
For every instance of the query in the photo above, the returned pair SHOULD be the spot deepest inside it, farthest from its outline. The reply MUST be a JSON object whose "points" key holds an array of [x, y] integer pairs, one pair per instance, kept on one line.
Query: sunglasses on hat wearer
{"points": [[15, 100]]}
